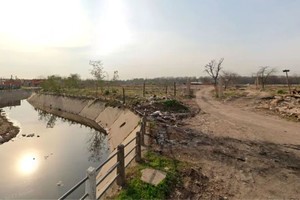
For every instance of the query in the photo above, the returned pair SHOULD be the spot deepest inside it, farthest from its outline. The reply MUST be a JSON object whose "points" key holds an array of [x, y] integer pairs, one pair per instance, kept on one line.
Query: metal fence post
{"points": [[121, 165], [90, 184], [138, 151]]}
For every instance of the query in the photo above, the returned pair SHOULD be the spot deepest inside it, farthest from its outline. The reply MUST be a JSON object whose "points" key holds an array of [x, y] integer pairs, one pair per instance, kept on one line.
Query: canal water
{"points": [[48, 164]]}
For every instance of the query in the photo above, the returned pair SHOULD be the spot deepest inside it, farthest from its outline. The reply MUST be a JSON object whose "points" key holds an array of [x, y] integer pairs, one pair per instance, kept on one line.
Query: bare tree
{"points": [[115, 76], [98, 72], [228, 78], [263, 74], [213, 69]]}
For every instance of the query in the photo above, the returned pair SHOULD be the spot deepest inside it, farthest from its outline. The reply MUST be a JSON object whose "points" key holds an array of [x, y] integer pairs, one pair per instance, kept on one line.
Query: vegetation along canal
{"points": [[48, 163]]}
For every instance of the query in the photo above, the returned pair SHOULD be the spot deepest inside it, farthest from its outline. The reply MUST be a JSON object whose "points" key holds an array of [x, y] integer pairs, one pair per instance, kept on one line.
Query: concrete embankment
{"points": [[118, 123], [13, 97], [10, 98]]}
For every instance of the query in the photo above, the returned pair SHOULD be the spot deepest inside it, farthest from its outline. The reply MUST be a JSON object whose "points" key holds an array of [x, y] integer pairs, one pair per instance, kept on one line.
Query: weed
{"points": [[137, 189], [173, 105], [281, 92]]}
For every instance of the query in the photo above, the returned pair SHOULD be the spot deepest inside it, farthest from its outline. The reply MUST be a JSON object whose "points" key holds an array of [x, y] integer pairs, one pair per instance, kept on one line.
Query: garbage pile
{"points": [[164, 110]]}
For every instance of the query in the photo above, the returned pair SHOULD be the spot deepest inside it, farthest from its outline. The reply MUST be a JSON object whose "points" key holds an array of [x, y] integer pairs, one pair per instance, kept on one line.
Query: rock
{"points": [[156, 113], [59, 183], [152, 176], [24, 135], [30, 135]]}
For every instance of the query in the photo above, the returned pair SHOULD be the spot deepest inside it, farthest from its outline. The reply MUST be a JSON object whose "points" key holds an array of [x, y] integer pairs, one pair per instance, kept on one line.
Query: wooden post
{"points": [[138, 150], [121, 165], [123, 89], [174, 89], [90, 184], [143, 129], [144, 88], [220, 88], [188, 87], [166, 90]]}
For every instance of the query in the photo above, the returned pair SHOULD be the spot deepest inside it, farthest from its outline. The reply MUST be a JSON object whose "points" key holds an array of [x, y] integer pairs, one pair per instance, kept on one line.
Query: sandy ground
{"points": [[7, 129], [234, 153]]}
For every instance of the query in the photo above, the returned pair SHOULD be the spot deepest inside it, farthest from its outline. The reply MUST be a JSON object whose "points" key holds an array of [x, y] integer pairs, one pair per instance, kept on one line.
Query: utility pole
{"points": [[287, 79]]}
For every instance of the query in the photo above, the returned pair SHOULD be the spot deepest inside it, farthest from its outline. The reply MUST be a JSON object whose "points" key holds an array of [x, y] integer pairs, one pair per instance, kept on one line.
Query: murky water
{"points": [[34, 167]]}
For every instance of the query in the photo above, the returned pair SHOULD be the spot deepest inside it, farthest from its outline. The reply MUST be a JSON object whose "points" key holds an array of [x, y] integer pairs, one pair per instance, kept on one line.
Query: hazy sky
{"points": [[147, 38]]}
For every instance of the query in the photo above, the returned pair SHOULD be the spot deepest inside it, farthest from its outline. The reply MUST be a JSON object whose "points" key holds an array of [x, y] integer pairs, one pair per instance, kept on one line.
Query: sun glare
{"points": [[28, 164], [43, 23], [112, 29]]}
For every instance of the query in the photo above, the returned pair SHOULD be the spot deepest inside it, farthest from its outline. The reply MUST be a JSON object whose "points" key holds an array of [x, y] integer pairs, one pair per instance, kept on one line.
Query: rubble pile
{"points": [[286, 105]]}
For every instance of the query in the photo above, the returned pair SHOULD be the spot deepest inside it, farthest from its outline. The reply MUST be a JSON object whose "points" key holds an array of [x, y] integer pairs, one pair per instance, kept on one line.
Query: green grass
{"points": [[137, 189]]}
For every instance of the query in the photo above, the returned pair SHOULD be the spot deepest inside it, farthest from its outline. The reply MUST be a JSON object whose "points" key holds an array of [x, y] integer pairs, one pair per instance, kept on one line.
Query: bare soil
{"points": [[233, 152], [7, 129]]}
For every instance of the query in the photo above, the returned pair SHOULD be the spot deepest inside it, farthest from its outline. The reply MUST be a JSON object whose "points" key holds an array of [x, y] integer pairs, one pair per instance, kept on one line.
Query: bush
{"points": [[106, 92], [281, 92]]}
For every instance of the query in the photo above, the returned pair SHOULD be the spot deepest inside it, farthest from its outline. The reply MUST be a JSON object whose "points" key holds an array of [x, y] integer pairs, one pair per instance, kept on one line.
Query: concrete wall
{"points": [[118, 123], [13, 97]]}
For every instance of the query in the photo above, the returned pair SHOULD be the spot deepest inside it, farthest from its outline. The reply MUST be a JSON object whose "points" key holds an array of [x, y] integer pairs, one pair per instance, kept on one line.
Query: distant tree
{"points": [[53, 83], [72, 81], [213, 70], [98, 73], [263, 74], [228, 78]]}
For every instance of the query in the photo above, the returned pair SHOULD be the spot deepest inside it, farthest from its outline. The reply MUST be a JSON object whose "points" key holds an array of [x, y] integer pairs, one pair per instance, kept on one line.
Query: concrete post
{"points": [[138, 150], [90, 184], [121, 166]]}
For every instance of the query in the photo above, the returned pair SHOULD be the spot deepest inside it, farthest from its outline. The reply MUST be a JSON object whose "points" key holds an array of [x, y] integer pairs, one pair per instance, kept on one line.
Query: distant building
{"points": [[6, 84], [10, 84], [196, 83], [32, 83]]}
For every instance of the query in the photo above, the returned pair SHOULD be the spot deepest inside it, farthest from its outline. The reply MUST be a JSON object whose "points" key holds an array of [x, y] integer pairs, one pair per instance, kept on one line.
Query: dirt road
{"points": [[233, 153], [227, 120]]}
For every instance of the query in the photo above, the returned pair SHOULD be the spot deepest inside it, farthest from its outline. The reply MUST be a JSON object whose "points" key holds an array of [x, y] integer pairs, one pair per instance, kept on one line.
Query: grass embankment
{"points": [[137, 189]]}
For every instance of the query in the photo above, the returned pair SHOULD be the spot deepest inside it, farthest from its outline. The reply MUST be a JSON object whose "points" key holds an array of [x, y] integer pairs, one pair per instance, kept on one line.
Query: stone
{"points": [[152, 176]]}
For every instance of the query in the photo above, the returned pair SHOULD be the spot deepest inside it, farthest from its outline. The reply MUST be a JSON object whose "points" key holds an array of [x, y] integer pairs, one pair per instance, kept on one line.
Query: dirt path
{"points": [[227, 120], [233, 153]]}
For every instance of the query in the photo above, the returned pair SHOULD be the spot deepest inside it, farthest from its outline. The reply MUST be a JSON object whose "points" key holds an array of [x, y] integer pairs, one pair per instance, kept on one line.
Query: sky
{"points": [[147, 38]]}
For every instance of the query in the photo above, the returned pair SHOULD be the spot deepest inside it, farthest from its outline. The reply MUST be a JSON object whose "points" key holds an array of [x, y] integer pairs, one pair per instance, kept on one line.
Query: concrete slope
{"points": [[118, 123]]}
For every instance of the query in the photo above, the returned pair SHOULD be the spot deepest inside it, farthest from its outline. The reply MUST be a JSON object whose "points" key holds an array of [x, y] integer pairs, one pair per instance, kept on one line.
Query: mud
{"points": [[7, 129]]}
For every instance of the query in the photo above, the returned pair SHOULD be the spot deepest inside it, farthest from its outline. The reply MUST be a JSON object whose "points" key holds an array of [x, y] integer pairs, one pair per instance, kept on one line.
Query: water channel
{"points": [[48, 164]]}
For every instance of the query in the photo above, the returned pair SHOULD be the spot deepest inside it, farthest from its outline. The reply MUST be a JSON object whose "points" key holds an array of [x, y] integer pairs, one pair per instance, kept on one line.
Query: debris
{"points": [[59, 183], [156, 113]]}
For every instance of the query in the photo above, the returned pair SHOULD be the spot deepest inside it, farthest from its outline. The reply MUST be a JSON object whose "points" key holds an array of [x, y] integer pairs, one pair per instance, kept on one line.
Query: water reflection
{"points": [[96, 142], [96, 145], [34, 165], [28, 164], [46, 117]]}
